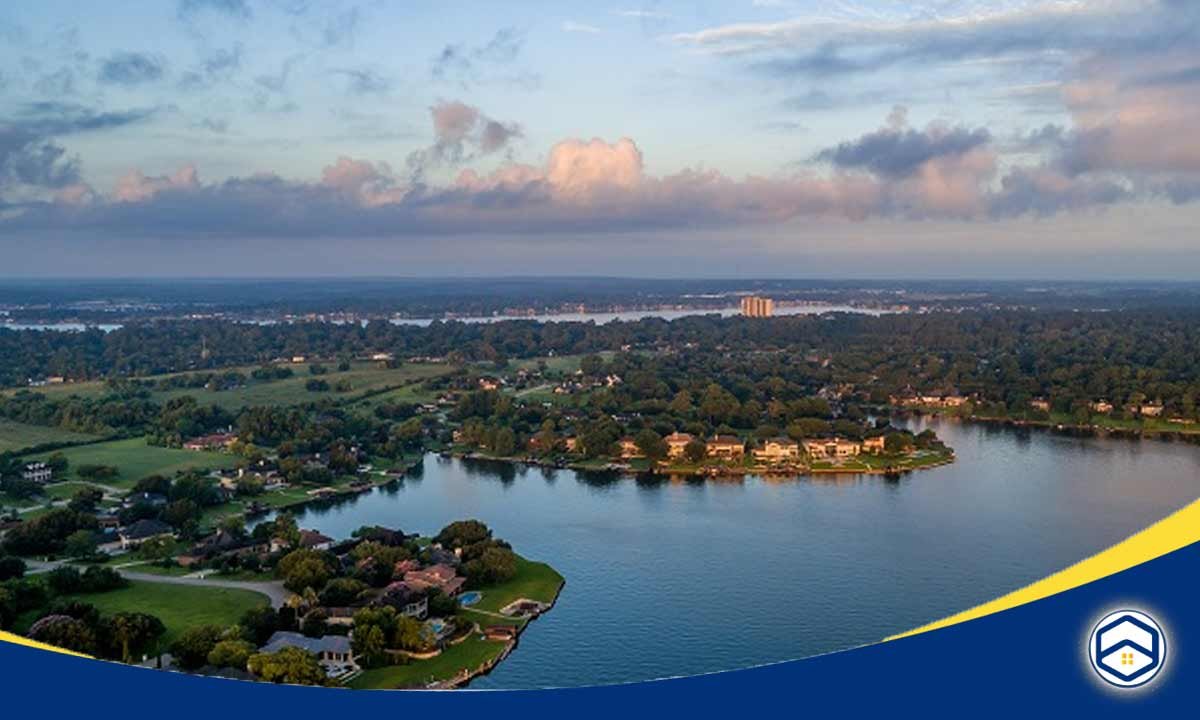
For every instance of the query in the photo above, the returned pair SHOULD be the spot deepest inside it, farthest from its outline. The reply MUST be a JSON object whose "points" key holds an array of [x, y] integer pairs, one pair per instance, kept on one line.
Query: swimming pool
{"points": [[469, 598]]}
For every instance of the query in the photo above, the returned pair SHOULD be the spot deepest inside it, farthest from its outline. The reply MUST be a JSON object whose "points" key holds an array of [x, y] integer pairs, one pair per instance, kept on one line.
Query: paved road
{"points": [[273, 590]]}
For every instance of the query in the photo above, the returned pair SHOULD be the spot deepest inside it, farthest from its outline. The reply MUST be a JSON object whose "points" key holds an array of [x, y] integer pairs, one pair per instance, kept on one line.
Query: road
{"points": [[274, 591]]}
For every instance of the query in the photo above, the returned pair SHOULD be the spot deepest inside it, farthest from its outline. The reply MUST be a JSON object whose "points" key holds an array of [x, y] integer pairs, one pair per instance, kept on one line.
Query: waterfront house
{"points": [[832, 449], [407, 600], [778, 450], [313, 540], [676, 442], [332, 651], [629, 448], [442, 577], [729, 447], [1152, 410], [500, 633], [1103, 407], [1040, 404], [873, 445]]}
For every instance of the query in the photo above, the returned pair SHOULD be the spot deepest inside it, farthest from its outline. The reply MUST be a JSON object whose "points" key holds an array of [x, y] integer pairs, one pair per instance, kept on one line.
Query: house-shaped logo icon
{"points": [[1127, 648]]}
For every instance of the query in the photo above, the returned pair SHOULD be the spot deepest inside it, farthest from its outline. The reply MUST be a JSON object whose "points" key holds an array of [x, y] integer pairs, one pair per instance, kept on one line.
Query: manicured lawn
{"points": [[135, 460], [534, 580], [16, 436], [470, 653], [178, 606]]}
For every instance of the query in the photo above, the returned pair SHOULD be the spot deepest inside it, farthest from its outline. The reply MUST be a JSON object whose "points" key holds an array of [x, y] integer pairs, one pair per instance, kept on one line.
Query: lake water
{"points": [[677, 578]]}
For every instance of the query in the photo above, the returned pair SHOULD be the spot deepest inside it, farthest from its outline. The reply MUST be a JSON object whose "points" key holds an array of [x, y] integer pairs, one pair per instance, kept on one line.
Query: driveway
{"points": [[274, 591]]}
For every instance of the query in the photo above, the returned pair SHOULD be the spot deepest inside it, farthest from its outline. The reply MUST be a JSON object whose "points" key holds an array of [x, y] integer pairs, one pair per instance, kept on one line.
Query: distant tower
{"points": [[204, 348], [758, 307]]}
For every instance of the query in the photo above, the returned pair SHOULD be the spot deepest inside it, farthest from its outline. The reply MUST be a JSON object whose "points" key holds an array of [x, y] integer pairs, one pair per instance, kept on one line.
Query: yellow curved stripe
{"points": [[1168, 535], [18, 640]]}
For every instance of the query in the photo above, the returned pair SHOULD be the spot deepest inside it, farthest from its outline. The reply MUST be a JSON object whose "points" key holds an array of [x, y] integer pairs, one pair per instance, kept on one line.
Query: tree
{"points": [[412, 635], [695, 451], [342, 591], [64, 580], [86, 499], [259, 624], [132, 634], [462, 533], [231, 654], [64, 632], [191, 649], [304, 568], [494, 565], [81, 543], [11, 567], [290, 665], [370, 645], [651, 445]]}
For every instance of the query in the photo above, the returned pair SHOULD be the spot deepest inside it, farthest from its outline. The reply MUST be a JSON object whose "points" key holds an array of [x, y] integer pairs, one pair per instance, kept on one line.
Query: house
{"points": [[382, 357], [108, 523], [629, 448], [777, 450], [216, 441], [832, 449], [408, 600], [676, 442], [38, 472], [1040, 404], [332, 651], [1151, 410], [874, 445], [442, 577], [725, 446], [489, 383], [134, 535], [571, 443], [313, 540], [1102, 407]]}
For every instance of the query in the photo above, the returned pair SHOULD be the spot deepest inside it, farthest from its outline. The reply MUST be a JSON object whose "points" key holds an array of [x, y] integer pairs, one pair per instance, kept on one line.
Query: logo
{"points": [[1127, 648]]}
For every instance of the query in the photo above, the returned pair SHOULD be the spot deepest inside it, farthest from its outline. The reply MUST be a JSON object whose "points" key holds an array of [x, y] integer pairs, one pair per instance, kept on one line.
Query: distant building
{"points": [[38, 472], [1151, 410], [873, 445], [216, 441], [725, 446], [143, 530], [442, 577], [832, 448], [1102, 407], [676, 442], [758, 307], [777, 450], [629, 448], [1040, 404]]}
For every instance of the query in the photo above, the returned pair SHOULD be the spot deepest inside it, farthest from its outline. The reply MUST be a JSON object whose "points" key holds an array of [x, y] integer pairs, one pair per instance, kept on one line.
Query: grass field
{"points": [[134, 459], [471, 653], [178, 606], [16, 436]]}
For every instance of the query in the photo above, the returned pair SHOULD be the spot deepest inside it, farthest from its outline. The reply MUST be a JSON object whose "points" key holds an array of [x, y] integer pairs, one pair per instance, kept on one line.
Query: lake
{"points": [[678, 578]]}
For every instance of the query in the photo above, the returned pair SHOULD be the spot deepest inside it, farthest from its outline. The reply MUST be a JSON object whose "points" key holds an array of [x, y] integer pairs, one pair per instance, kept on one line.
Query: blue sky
{"points": [[1047, 138]]}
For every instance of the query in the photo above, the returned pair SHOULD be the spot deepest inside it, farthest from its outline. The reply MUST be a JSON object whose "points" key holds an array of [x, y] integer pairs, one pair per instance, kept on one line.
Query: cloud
{"points": [[462, 133], [27, 159], [899, 151], [218, 65], [231, 8], [58, 118], [468, 65], [365, 81], [131, 68], [135, 187], [576, 27]]}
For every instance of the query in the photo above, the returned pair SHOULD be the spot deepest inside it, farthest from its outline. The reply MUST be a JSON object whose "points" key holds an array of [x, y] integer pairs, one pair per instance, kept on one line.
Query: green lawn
{"points": [[470, 653], [135, 460], [534, 580], [178, 606], [16, 436]]}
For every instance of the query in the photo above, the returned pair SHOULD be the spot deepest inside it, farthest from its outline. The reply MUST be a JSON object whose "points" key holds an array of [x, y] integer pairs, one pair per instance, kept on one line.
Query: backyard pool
{"points": [[469, 598]]}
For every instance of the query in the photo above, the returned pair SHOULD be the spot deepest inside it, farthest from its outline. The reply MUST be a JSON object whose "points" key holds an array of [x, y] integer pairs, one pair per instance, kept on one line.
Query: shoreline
{"points": [[1089, 430]]}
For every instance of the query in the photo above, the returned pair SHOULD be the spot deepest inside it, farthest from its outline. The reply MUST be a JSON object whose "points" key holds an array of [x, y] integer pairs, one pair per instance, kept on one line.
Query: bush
{"points": [[192, 648], [11, 567]]}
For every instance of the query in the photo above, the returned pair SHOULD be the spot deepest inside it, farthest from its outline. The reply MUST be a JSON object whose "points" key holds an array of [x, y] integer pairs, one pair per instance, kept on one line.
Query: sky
{"points": [[781, 138]]}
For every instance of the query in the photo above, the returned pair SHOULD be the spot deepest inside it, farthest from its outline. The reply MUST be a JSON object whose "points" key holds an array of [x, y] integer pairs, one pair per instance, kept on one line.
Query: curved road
{"points": [[274, 591]]}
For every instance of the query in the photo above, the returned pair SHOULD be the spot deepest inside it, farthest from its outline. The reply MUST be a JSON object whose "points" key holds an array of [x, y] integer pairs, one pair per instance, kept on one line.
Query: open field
{"points": [[134, 459], [16, 436], [362, 376], [178, 606]]}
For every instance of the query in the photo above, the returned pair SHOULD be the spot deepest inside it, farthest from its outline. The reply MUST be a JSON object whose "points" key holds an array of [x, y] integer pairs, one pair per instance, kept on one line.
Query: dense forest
{"points": [[1002, 357]]}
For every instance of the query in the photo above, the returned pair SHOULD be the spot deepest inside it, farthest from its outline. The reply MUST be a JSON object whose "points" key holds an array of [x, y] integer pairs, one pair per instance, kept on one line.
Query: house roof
{"points": [[312, 538], [326, 644], [725, 440], [678, 437], [146, 529]]}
